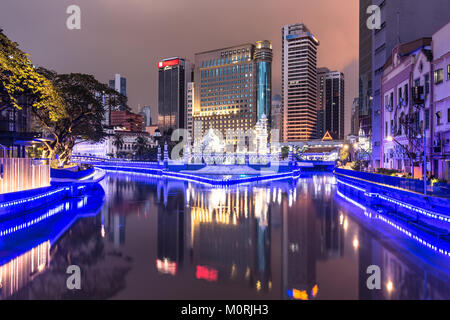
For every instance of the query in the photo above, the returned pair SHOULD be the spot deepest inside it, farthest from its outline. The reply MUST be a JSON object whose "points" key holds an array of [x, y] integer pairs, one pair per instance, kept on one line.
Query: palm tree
{"points": [[140, 146], [118, 142]]}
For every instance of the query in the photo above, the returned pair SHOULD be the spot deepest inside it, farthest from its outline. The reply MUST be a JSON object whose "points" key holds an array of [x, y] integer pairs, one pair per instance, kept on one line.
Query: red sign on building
{"points": [[168, 63]]}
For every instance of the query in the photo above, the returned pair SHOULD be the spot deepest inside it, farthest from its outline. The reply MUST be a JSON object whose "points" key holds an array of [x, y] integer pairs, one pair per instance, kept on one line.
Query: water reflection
{"points": [[295, 239]]}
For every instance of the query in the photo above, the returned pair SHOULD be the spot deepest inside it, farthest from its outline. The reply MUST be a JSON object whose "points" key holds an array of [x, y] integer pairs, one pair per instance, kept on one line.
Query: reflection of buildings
{"points": [[401, 278], [403, 275], [299, 254], [18, 272], [230, 233], [171, 227]]}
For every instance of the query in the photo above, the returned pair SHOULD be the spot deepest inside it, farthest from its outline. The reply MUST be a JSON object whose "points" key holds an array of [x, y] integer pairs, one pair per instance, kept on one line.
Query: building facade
{"points": [[299, 82], [331, 103], [365, 70], [277, 114], [354, 129], [119, 84], [146, 115], [404, 117], [173, 76], [128, 120], [233, 87], [399, 24], [189, 109], [440, 147], [107, 147]]}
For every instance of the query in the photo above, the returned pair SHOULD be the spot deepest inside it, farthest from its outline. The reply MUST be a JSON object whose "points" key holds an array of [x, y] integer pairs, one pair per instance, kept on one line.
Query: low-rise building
{"points": [[109, 148], [130, 121], [402, 113], [440, 150]]}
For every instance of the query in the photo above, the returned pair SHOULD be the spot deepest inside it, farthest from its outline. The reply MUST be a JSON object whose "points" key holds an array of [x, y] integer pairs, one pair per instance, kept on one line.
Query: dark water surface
{"points": [[144, 238]]}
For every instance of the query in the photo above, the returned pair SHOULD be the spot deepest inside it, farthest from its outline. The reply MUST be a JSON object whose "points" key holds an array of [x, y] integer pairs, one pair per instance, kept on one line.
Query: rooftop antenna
{"points": [[398, 26]]}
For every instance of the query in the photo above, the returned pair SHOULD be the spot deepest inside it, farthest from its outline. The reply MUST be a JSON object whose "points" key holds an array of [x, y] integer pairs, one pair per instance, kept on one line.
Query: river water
{"points": [[141, 237]]}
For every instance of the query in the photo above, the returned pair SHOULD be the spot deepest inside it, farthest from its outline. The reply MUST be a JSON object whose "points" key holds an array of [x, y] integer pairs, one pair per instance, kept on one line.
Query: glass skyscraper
{"points": [[263, 58], [233, 86], [173, 76]]}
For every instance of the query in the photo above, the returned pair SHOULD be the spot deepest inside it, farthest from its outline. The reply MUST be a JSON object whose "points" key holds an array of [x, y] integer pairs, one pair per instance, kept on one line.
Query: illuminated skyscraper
{"points": [[299, 82], [119, 84], [173, 76], [330, 109], [233, 86]]}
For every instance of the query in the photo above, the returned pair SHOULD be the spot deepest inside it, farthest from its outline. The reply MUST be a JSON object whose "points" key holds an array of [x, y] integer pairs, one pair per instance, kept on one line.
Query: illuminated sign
{"points": [[167, 267], [206, 273], [168, 63]]}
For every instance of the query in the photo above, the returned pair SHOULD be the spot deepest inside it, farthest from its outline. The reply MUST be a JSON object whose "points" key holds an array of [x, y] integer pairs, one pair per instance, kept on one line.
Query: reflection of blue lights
{"points": [[34, 221], [424, 212], [203, 180], [437, 247], [38, 197]]}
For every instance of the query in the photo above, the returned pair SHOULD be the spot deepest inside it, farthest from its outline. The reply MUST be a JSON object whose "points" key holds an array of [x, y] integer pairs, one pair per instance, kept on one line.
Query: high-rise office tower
{"points": [[146, 114], [399, 24], [173, 76], [233, 86], [277, 114], [119, 84], [299, 82], [189, 109], [354, 126], [331, 103], [365, 70]]}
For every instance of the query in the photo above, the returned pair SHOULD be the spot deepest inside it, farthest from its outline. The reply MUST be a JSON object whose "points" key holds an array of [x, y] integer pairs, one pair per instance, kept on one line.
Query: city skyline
{"points": [[112, 50]]}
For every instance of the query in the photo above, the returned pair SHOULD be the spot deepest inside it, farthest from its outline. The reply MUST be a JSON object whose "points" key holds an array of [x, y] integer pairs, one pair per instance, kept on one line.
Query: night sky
{"points": [[130, 36]]}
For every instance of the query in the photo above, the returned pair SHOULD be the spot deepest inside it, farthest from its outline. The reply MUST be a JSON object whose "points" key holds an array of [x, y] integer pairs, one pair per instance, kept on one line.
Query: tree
{"points": [[22, 85], [118, 142], [140, 146], [284, 152], [410, 127], [344, 153], [84, 108]]}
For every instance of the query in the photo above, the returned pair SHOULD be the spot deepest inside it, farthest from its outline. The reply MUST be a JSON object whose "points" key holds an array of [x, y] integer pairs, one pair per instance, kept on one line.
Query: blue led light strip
{"points": [[424, 212], [34, 198]]}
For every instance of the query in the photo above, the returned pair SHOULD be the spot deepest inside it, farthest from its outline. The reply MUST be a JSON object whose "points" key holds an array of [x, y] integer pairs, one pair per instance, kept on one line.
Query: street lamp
{"points": [[424, 162]]}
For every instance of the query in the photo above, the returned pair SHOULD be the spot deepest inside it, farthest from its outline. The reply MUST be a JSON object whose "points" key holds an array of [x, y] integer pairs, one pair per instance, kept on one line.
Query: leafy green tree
{"points": [[20, 79], [84, 108]]}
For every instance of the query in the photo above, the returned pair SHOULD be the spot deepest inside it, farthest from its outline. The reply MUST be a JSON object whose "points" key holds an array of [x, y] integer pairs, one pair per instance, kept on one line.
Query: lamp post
{"points": [[424, 163]]}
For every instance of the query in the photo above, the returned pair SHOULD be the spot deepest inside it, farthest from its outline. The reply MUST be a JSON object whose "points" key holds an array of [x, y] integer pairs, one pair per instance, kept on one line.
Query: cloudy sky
{"points": [[130, 36]]}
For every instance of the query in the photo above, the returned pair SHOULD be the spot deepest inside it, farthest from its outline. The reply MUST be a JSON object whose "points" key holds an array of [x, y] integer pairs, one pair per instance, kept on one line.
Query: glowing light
{"points": [[355, 243], [389, 286], [167, 267], [345, 224], [206, 273], [298, 294], [314, 291]]}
